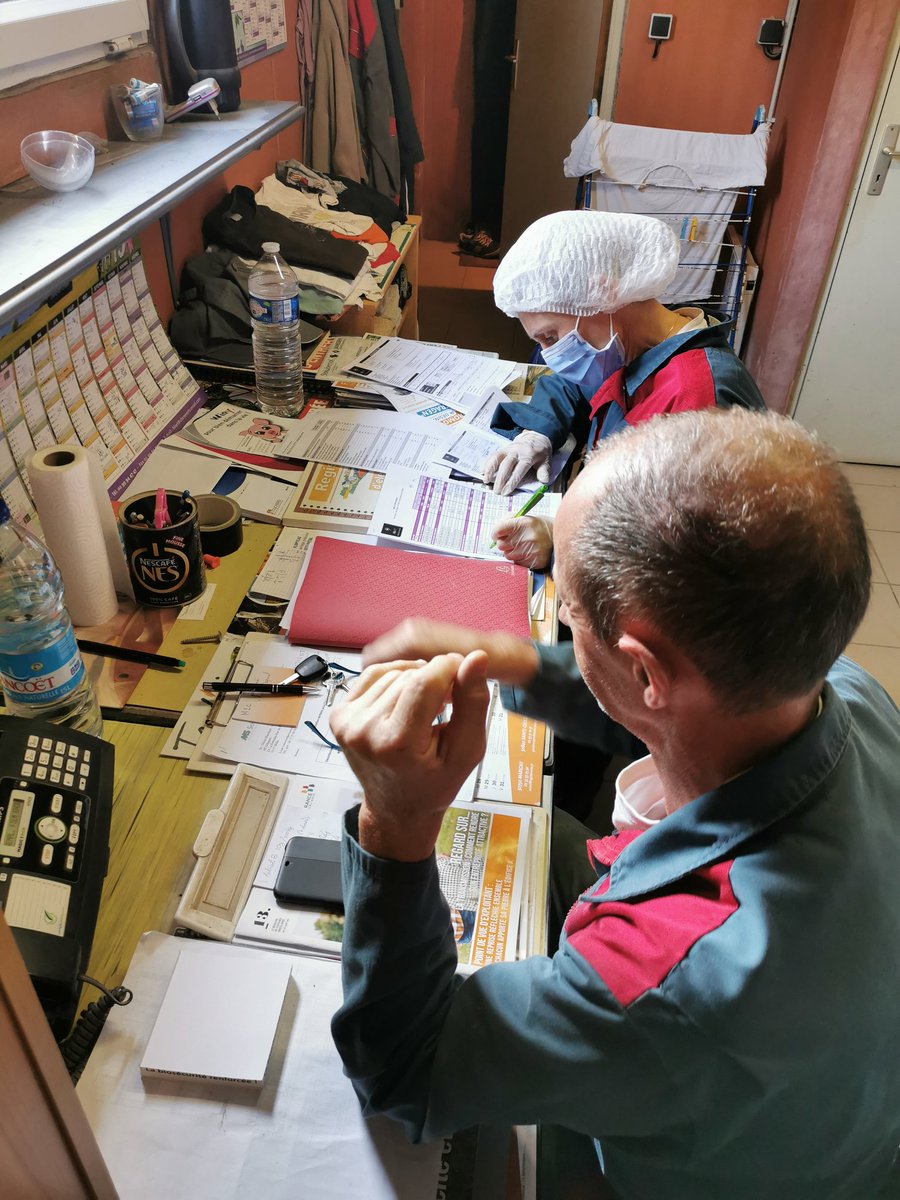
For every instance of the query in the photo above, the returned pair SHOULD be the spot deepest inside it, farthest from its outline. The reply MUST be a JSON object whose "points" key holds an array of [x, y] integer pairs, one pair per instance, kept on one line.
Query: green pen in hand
{"points": [[528, 505]]}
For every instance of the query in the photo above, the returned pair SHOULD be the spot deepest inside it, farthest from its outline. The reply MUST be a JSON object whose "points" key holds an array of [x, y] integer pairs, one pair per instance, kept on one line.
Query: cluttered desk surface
{"points": [[369, 463]]}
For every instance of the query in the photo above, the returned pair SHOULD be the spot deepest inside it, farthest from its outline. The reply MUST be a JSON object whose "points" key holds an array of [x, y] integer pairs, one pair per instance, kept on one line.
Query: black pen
{"points": [[145, 657], [261, 689]]}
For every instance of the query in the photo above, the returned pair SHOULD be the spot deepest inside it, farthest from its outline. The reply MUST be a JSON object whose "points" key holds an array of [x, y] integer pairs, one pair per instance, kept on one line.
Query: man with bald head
{"points": [[720, 1015]]}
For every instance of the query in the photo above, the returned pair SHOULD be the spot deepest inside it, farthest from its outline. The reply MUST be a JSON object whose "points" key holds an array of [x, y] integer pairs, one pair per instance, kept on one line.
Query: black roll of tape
{"points": [[221, 531]]}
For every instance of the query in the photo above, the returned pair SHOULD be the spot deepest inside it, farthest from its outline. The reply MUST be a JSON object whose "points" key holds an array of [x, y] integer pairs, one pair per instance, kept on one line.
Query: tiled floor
{"points": [[876, 644]]}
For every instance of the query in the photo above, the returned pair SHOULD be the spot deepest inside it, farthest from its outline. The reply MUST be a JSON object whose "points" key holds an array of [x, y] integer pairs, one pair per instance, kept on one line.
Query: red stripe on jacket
{"points": [[684, 383], [634, 944]]}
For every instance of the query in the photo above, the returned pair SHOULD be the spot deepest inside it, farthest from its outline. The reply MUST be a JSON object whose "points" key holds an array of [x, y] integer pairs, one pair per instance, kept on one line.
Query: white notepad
{"points": [[218, 1018]]}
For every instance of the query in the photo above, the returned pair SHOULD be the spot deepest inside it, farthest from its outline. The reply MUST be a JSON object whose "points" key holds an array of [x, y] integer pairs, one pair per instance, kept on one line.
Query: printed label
{"points": [[43, 676], [275, 312]]}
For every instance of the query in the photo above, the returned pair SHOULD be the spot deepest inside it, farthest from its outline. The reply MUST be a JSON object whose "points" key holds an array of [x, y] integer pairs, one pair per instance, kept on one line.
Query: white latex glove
{"points": [[527, 541], [508, 467]]}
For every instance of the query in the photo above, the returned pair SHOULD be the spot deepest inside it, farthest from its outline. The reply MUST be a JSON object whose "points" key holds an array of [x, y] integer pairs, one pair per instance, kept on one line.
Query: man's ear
{"points": [[649, 665]]}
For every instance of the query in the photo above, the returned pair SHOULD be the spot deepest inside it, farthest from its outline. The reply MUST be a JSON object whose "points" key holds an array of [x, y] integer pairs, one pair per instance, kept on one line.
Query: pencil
{"points": [[528, 505], [136, 656]]}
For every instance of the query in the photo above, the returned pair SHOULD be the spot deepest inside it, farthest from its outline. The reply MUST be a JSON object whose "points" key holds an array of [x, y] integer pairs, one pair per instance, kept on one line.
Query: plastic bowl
{"points": [[56, 160]]}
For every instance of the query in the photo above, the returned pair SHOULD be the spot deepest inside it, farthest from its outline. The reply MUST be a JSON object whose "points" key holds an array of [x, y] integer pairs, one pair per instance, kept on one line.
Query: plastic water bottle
{"points": [[277, 354], [41, 669]]}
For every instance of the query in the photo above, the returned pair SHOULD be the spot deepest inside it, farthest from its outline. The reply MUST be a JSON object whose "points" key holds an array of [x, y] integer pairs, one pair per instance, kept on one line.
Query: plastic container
{"points": [[277, 352], [59, 161], [140, 109], [41, 669]]}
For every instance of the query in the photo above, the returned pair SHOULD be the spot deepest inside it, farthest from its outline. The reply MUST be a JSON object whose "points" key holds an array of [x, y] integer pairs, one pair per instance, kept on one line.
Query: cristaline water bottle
{"points": [[277, 354], [40, 664]]}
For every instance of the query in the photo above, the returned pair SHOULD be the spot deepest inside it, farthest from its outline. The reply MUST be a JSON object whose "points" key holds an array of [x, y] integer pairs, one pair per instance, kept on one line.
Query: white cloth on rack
{"points": [[639, 155], [703, 214]]}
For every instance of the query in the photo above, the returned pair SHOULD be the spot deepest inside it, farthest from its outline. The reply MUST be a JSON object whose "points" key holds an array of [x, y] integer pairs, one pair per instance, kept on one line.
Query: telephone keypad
{"points": [[57, 815]]}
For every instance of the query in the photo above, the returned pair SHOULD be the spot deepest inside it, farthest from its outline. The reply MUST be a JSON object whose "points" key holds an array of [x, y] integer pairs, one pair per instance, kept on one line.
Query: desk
{"points": [[157, 811]]}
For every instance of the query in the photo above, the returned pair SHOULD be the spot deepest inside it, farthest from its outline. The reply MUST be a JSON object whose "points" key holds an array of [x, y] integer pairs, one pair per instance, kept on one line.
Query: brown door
{"points": [[558, 50]]}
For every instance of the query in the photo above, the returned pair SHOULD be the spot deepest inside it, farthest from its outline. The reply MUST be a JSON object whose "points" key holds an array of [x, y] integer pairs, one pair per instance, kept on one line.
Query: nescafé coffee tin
{"points": [[166, 565]]}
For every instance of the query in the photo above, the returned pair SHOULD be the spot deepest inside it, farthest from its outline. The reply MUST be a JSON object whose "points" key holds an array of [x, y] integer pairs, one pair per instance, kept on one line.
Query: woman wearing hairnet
{"points": [[584, 286]]}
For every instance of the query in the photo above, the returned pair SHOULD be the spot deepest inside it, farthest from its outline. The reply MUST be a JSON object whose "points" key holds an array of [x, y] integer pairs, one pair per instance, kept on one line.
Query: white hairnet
{"points": [[585, 262]]}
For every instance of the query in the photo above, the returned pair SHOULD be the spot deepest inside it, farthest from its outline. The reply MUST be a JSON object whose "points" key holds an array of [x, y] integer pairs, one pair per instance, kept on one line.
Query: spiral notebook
{"points": [[352, 593]]}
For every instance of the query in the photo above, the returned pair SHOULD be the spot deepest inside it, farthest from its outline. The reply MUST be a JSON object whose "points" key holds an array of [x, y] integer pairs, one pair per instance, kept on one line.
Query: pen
{"points": [[261, 689], [528, 505], [136, 656]]}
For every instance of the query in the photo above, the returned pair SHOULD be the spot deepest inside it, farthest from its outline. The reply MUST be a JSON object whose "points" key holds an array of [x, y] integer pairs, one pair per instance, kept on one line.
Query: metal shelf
{"points": [[46, 238]]}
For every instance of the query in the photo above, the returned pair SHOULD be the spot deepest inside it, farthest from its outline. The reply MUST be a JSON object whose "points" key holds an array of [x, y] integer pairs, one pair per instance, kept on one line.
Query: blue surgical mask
{"points": [[576, 360]]}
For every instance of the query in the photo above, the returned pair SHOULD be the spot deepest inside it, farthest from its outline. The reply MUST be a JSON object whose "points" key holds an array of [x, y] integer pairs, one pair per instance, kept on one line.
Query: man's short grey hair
{"points": [[736, 535]]}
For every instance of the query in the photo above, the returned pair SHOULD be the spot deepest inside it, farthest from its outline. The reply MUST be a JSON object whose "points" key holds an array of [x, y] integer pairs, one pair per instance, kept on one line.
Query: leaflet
{"points": [[512, 769], [445, 373], [432, 513]]}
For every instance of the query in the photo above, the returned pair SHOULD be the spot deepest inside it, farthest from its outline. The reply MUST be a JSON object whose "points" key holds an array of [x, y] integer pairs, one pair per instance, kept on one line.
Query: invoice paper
{"points": [[432, 513]]}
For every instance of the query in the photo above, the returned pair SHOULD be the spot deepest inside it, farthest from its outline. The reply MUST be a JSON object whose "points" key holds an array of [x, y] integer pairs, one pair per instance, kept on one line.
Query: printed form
{"points": [[449, 375], [370, 441], [432, 513]]}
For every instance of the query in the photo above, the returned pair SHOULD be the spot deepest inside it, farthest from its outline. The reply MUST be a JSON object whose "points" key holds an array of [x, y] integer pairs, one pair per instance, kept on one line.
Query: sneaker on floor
{"points": [[465, 238], [482, 245]]}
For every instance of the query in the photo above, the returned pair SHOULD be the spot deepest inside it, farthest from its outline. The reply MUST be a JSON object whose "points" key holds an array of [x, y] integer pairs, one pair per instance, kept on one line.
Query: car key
{"points": [[313, 669]]}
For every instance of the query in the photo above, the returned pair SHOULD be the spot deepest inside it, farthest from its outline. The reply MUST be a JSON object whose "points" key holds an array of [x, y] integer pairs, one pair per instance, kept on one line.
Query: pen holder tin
{"points": [[166, 565]]}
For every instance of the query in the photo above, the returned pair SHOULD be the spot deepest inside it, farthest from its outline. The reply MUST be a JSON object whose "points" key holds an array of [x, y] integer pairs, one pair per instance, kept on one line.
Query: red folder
{"points": [[352, 593]]}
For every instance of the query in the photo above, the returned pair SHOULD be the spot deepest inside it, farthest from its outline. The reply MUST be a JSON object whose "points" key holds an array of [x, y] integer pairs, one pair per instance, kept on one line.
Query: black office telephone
{"points": [[56, 790]]}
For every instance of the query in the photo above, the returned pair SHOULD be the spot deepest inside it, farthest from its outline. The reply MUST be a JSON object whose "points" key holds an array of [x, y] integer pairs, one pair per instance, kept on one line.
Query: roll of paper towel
{"points": [[80, 530]]}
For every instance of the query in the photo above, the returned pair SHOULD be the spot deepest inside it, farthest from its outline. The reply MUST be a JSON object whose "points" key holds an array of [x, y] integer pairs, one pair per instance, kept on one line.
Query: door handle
{"points": [[887, 154], [514, 59]]}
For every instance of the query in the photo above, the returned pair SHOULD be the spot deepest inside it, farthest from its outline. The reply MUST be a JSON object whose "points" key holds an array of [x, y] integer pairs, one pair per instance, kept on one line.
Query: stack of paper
{"points": [[441, 372], [218, 1019], [482, 860], [336, 498]]}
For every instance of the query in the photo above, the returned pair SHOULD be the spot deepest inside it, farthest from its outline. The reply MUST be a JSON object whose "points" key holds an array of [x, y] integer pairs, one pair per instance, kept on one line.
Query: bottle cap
{"points": [[271, 247]]}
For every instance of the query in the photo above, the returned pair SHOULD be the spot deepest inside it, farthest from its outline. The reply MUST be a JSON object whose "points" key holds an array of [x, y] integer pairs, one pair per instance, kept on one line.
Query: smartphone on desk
{"points": [[310, 873]]}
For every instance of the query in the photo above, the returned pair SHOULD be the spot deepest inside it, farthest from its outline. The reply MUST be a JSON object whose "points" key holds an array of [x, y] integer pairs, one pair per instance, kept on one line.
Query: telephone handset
{"points": [[199, 43], [55, 803]]}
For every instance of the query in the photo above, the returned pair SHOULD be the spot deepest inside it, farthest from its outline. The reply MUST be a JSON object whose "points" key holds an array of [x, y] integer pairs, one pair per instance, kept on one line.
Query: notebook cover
{"points": [[353, 593]]}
